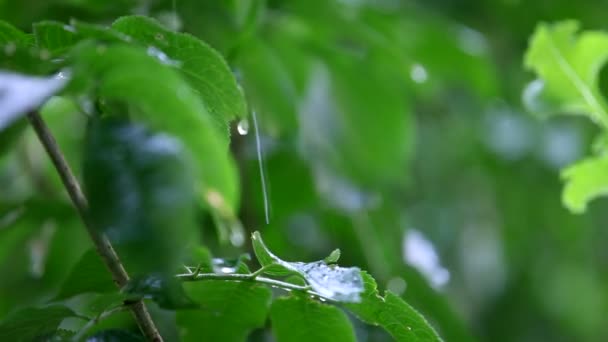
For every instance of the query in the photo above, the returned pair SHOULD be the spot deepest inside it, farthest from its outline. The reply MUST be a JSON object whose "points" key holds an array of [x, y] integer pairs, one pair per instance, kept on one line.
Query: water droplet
{"points": [[243, 127], [418, 73], [69, 28], [227, 269], [161, 56], [409, 328], [63, 75], [237, 238], [159, 36]]}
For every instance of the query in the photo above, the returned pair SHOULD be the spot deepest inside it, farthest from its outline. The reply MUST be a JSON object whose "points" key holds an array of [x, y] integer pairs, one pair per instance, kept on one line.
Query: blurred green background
{"points": [[391, 129]]}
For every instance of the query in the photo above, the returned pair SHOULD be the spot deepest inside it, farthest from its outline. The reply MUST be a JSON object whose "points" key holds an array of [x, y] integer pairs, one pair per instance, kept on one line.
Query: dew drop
{"points": [[159, 36], [69, 28], [418, 73], [243, 127], [237, 238]]}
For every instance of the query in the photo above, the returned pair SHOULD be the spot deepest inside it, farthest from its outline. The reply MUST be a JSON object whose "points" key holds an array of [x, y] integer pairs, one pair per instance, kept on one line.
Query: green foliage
{"points": [[164, 289], [392, 313], [371, 117], [299, 319], [229, 311], [32, 323], [114, 335], [568, 65], [585, 180], [140, 189], [54, 36], [129, 74], [203, 67], [330, 281], [88, 275]]}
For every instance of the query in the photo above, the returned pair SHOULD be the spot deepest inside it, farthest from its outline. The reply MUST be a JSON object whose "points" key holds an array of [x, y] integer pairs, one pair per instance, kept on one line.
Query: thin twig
{"points": [[95, 320], [251, 277], [102, 244]]}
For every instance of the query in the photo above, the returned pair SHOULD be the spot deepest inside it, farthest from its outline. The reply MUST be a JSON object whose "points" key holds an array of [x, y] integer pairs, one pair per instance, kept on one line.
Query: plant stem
{"points": [[102, 244], [252, 277], [96, 320]]}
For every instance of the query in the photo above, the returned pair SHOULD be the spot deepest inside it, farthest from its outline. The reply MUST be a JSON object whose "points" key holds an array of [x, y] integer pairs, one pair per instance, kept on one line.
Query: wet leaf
{"points": [[391, 313], [297, 318], [28, 324], [159, 97], [330, 281], [203, 67], [229, 311]]}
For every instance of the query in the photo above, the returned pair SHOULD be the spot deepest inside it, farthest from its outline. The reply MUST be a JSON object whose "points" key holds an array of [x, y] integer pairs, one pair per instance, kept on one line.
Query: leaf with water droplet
{"points": [[243, 127], [158, 96], [203, 67], [330, 281]]}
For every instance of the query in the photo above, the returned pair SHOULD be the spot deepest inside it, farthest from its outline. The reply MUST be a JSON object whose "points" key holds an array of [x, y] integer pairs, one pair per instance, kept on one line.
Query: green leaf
{"points": [[229, 311], [163, 101], [140, 190], [330, 281], [299, 319], [568, 64], [88, 275], [31, 323], [585, 181], [165, 290], [333, 257], [115, 335], [10, 34], [203, 67], [97, 32], [54, 36], [59, 335], [20, 94], [391, 313]]}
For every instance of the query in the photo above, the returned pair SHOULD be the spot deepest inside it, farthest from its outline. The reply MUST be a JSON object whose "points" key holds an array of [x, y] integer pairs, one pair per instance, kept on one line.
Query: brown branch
{"points": [[102, 244]]}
